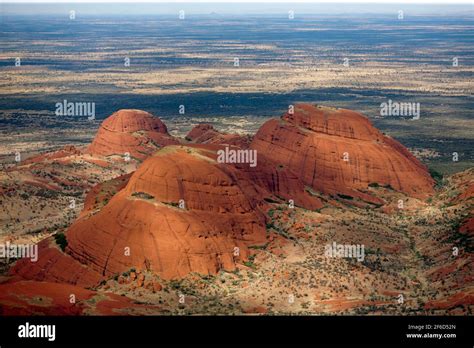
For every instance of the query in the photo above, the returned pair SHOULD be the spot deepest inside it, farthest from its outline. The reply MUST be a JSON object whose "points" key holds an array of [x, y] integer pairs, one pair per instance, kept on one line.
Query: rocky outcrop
{"points": [[179, 213], [277, 184], [66, 151], [55, 266], [183, 214], [207, 134], [339, 152], [182, 211], [101, 193], [135, 132], [27, 298]]}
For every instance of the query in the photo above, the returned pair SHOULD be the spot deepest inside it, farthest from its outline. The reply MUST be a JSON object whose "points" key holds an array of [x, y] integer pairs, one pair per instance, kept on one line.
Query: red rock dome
{"points": [[338, 151], [162, 236], [206, 134], [131, 120], [223, 210], [136, 132]]}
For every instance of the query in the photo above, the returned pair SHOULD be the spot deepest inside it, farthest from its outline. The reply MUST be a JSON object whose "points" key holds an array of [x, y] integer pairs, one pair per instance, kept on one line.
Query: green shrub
{"points": [[437, 176], [61, 240], [249, 264]]}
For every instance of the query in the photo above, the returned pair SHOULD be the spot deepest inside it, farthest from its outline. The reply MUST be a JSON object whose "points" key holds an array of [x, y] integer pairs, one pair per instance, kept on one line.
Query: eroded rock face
{"points": [[207, 134], [277, 183], [201, 133], [101, 193], [338, 151], [135, 132], [183, 212], [55, 266], [144, 226], [136, 221], [266, 182]]}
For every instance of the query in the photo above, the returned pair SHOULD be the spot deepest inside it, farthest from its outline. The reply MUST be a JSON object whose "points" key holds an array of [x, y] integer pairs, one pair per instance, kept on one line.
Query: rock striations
{"points": [[135, 132], [206, 134], [182, 211], [179, 213], [339, 152]]}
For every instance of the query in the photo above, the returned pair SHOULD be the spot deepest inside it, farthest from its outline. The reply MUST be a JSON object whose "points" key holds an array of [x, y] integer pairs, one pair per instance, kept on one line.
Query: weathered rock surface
{"points": [[101, 193], [55, 266], [136, 221], [66, 151], [277, 183], [145, 219], [207, 134], [136, 132], [338, 151]]}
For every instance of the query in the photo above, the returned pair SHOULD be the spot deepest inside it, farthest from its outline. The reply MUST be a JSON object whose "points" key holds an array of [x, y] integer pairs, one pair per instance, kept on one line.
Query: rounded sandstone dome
{"points": [[333, 121], [338, 151], [135, 132], [132, 120], [169, 239]]}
